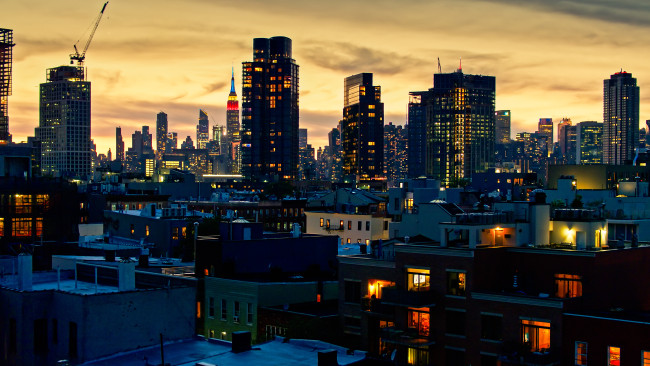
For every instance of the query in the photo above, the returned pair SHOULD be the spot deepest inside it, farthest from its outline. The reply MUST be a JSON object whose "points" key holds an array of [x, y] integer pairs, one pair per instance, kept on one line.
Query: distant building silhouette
{"points": [[161, 134], [502, 126], [620, 118], [269, 135], [417, 132], [589, 143], [119, 144], [202, 130]]}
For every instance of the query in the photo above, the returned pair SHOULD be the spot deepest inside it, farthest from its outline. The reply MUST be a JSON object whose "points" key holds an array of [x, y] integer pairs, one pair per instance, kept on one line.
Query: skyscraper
{"points": [[395, 156], [589, 143], [6, 61], [460, 126], [417, 132], [269, 135], [161, 134], [202, 130], [64, 124], [119, 144], [502, 127], [232, 128], [362, 128], [545, 128], [620, 118]]}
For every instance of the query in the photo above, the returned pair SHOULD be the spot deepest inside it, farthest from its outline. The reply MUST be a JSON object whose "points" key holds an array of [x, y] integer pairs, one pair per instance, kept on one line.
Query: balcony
{"points": [[408, 337], [401, 297], [547, 358], [377, 307]]}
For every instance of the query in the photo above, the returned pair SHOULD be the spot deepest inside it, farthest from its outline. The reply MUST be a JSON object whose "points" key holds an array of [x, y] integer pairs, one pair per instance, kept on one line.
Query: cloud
{"points": [[216, 86], [349, 58]]}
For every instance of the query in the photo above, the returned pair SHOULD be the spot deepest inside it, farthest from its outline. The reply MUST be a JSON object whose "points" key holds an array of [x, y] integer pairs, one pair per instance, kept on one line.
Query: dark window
{"points": [[367, 225], [40, 336], [385, 225], [72, 339], [455, 322], [13, 335], [349, 225], [353, 291], [456, 283], [359, 225], [211, 307], [488, 360], [491, 327], [352, 321], [454, 357]]}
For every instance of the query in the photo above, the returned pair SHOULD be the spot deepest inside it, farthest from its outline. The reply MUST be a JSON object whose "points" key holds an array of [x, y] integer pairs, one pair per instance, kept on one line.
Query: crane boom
{"points": [[80, 57]]}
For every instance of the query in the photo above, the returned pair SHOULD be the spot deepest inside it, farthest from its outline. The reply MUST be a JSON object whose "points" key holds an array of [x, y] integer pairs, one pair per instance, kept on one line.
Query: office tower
{"points": [[620, 118], [188, 144], [545, 128], [172, 142], [566, 138], [502, 126], [589, 143], [202, 130], [6, 62], [417, 133], [530, 152], [334, 140], [147, 140], [302, 138], [64, 124], [161, 134], [303, 156], [460, 127], [233, 129], [395, 155], [362, 128], [269, 134], [119, 144]]}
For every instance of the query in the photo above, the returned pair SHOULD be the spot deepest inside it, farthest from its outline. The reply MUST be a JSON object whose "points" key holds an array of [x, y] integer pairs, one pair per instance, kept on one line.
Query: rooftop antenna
{"points": [[460, 65], [439, 67]]}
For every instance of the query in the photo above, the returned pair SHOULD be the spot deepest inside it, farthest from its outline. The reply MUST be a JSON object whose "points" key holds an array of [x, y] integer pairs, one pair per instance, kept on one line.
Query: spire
{"points": [[232, 81], [460, 65]]}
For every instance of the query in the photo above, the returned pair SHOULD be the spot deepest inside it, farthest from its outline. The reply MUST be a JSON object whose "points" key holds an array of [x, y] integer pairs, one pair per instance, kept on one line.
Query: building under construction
{"points": [[6, 45]]}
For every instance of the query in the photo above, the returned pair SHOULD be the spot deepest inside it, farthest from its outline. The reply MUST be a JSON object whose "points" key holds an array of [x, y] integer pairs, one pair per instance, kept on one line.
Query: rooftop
{"points": [[216, 352]]}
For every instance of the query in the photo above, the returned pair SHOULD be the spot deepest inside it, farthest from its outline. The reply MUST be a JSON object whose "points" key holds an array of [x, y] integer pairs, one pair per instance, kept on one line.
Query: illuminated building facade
{"points": [[232, 128], [395, 155], [460, 126], [202, 130], [545, 128], [269, 135], [362, 129], [161, 134], [64, 125], [6, 61], [119, 144], [589, 143], [502, 126], [567, 141], [620, 118], [417, 132]]}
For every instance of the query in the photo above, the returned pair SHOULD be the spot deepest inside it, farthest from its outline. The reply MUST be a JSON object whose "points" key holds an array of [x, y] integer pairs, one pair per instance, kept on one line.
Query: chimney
{"points": [[24, 272], [126, 275], [241, 341], [327, 358]]}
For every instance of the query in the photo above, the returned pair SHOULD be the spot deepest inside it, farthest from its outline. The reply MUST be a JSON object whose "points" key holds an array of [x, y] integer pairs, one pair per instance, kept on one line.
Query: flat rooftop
{"points": [[45, 281], [189, 352]]}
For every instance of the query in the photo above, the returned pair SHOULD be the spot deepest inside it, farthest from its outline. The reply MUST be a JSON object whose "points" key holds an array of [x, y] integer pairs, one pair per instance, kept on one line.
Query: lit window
{"points": [[567, 285], [175, 233], [645, 358], [418, 279], [581, 353], [235, 317], [419, 320], [184, 231], [146, 230], [322, 220], [2, 227], [21, 227], [417, 356], [614, 356], [536, 335], [456, 283]]}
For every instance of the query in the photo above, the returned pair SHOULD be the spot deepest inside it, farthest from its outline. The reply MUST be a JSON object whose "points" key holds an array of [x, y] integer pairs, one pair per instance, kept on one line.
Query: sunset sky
{"points": [[549, 57]]}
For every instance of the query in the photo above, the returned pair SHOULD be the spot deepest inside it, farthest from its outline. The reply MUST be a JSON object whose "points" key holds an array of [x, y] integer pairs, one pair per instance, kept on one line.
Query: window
{"points": [[146, 230], [567, 285], [249, 313], [352, 291], [417, 356], [211, 307], [454, 357], [327, 223], [175, 233], [418, 279], [348, 240], [341, 225], [21, 227], [489, 360], [375, 287], [456, 283], [455, 322], [132, 229], [645, 358], [614, 356], [322, 220], [349, 225], [40, 336], [419, 320], [2, 227], [536, 335], [359, 225], [13, 336], [72, 339], [23, 203], [491, 327], [235, 317], [224, 309], [581, 353], [367, 225], [272, 331], [184, 232]]}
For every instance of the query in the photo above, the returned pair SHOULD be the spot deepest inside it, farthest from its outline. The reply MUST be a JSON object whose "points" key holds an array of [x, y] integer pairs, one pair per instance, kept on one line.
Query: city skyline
{"points": [[562, 52]]}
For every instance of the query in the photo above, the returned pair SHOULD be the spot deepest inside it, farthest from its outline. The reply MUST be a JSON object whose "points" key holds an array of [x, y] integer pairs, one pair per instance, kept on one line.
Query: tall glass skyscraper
{"points": [[419, 101], [64, 124], [362, 128], [269, 134], [620, 118], [502, 126], [460, 126], [161, 135], [232, 128], [202, 130]]}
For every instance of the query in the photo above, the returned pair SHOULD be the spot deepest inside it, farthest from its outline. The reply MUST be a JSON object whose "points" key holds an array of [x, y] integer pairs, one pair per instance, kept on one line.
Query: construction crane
{"points": [[80, 57]]}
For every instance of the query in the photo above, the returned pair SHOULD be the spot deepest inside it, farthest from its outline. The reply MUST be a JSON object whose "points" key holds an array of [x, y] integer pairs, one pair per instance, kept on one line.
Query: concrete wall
{"points": [[354, 234]]}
